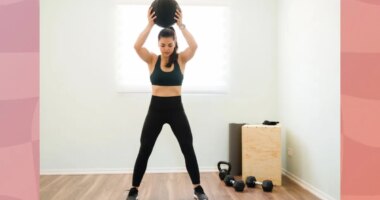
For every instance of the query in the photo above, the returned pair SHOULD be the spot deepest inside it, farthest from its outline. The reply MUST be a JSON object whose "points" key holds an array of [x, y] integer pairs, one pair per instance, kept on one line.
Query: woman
{"points": [[166, 75]]}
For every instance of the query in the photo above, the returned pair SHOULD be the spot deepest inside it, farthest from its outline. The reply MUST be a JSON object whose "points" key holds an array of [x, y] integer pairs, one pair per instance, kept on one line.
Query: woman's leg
{"points": [[151, 129], [181, 128]]}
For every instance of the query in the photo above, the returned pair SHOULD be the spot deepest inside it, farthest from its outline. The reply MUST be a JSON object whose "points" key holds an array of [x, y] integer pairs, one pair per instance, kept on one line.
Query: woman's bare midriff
{"points": [[166, 91]]}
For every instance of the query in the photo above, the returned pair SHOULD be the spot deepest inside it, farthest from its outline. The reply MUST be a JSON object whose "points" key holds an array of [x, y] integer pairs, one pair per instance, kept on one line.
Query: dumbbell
{"points": [[238, 185], [224, 172], [267, 185]]}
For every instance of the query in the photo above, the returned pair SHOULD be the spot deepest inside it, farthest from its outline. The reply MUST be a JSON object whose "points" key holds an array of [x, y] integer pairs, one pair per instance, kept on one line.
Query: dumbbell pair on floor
{"points": [[239, 186]]}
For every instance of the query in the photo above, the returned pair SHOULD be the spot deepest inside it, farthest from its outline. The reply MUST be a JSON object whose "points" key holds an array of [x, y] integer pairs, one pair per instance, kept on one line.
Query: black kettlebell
{"points": [[224, 172], [165, 12]]}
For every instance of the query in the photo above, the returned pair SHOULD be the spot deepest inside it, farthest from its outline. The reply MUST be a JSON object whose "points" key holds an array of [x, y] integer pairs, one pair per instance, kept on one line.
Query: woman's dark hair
{"points": [[170, 32]]}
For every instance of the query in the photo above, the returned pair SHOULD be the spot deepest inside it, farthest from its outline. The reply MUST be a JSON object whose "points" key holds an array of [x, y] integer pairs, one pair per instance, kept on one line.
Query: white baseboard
{"points": [[307, 186], [121, 171]]}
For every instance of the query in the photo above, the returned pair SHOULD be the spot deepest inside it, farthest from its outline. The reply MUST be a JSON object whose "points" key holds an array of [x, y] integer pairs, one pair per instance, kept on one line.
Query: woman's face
{"points": [[166, 45]]}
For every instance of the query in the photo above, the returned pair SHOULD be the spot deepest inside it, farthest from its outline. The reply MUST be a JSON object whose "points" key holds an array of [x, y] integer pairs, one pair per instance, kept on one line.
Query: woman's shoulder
{"points": [[153, 62], [180, 58], [154, 58]]}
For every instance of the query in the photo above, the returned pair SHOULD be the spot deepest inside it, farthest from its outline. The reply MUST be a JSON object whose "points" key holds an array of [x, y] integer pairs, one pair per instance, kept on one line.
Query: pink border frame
{"points": [[360, 99], [19, 99]]}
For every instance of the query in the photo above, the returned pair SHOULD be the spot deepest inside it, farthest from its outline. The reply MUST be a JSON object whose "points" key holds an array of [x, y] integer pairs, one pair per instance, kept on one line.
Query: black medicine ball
{"points": [[165, 12]]}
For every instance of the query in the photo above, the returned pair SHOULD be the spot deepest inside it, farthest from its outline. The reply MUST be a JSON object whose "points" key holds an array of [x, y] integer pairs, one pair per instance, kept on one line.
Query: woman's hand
{"points": [[189, 52], [178, 18], [151, 16]]}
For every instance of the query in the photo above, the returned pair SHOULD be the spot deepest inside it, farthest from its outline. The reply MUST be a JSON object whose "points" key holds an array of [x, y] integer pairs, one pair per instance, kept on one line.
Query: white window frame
{"points": [[222, 87]]}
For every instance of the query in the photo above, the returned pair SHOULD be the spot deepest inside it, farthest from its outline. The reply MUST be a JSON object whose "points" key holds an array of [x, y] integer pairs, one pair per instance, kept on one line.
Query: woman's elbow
{"points": [[194, 47], [136, 47]]}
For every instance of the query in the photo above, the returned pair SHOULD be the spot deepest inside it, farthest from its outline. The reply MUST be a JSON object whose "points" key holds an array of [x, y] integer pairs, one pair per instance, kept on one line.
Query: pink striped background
{"points": [[360, 99], [19, 99]]}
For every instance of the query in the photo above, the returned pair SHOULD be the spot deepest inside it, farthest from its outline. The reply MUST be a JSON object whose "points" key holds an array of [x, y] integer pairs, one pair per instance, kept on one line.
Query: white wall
{"points": [[309, 91], [86, 126]]}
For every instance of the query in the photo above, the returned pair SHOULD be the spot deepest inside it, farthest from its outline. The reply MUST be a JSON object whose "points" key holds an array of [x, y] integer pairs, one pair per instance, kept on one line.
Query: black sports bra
{"points": [[159, 77]]}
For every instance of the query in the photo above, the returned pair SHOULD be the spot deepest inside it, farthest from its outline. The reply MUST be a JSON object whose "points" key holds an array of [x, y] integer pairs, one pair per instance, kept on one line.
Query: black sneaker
{"points": [[133, 194], [199, 194]]}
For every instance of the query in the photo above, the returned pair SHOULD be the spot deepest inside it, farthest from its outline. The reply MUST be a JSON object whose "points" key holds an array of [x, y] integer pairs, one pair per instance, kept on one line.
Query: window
{"points": [[206, 72]]}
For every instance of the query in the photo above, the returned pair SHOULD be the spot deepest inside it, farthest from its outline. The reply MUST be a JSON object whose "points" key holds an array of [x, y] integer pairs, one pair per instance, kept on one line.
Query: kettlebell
{"points": [[224, 172], [165, 12]]}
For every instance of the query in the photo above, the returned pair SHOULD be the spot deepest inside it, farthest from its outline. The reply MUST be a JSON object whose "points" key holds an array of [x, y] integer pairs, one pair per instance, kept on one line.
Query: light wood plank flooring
{"points": [[160, 186]]}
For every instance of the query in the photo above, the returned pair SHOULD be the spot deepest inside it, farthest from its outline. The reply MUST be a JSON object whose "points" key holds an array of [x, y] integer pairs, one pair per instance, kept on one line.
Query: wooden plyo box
{"points": [[261, 152]]}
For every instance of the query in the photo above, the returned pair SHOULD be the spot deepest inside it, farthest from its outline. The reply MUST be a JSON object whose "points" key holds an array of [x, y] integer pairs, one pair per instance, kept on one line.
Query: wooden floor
{"points": [[174, 186]]}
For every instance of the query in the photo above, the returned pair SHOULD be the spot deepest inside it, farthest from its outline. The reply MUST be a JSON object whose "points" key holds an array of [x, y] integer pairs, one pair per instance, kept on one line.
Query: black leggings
{"points": [[166, 110]]}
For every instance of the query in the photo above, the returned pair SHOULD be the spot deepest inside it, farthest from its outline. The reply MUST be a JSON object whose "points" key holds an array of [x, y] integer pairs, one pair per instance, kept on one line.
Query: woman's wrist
{"points": [[181, 26], [149, 26]]}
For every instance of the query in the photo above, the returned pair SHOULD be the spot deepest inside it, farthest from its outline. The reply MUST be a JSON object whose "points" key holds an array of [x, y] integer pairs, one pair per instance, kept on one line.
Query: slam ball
{"points": [[165, 12]]}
